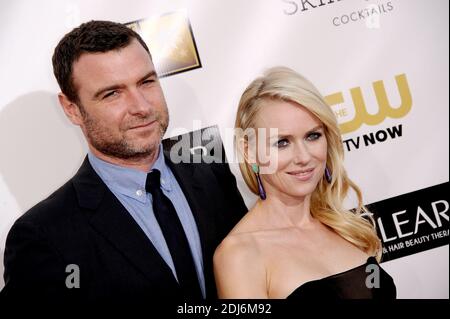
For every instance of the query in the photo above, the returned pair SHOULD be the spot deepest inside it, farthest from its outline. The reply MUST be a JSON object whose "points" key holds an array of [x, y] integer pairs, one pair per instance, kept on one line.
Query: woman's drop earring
{"points": [[328, 175], [262, 192]]}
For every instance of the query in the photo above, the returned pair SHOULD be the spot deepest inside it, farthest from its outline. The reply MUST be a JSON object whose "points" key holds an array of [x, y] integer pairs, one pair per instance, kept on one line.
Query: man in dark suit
{"points": [[131, 225]]}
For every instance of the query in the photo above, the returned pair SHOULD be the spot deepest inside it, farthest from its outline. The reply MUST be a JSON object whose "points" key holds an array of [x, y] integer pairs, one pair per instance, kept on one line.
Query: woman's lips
{"points": [[302, 175]]}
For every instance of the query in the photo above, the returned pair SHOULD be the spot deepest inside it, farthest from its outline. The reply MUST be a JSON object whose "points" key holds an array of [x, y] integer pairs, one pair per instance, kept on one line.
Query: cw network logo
{"points": [[352, 118]]}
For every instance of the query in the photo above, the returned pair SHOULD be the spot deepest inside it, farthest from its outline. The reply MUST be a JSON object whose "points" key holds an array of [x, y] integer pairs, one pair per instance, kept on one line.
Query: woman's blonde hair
{"points": [[281, 83]]}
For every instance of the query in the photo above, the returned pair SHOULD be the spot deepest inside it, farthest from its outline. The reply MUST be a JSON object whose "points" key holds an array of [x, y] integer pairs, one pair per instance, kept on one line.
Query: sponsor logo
{"points": [[171, 42], [384, 109], [370, 15], [293, 7], [373, 138], [413, 222]]}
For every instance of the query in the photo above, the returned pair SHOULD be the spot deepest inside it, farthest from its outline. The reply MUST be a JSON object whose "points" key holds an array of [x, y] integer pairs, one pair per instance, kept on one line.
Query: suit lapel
{"points": [[110, 219]]}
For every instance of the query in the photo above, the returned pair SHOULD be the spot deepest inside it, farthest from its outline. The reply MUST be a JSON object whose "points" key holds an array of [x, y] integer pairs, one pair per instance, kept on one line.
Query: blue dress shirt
{"points": [[128, 185]]}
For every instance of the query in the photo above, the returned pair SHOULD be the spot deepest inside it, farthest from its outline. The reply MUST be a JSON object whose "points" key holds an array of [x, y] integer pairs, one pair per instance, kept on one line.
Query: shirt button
{"points": [[139, 192]]}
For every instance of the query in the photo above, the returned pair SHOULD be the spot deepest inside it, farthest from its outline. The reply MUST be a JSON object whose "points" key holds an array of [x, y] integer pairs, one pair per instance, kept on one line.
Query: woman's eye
{"points": [[282, 143], [313, 136]]}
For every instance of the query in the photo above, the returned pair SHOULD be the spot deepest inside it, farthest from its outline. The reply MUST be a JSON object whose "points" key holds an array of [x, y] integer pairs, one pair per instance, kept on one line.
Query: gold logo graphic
{"points": [[171, 42], [385, 109]]}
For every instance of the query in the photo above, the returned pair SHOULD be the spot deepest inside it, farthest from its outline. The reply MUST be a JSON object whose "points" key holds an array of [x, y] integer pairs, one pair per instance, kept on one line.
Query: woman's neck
{"points": [[284, 211]]}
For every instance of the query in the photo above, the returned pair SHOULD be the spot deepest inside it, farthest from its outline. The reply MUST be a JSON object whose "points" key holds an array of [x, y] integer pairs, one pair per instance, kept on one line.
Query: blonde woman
{"points": [[298, 241]]}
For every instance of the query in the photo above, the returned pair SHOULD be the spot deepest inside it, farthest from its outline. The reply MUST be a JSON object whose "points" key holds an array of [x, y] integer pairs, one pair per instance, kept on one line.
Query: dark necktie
{"points": [[175, 237]]}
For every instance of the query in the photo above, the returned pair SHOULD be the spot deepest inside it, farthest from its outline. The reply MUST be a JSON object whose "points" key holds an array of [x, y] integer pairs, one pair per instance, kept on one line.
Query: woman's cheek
{"points": [[277, 162]]}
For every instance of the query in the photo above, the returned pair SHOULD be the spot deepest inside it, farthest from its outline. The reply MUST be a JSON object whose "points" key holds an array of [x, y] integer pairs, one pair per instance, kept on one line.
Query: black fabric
{"points": [[350, 284], [83, 223], [175, 237]]}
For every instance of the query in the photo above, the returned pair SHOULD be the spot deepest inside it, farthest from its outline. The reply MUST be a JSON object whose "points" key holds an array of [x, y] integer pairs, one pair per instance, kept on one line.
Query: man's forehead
{"points": [[126, 64]]}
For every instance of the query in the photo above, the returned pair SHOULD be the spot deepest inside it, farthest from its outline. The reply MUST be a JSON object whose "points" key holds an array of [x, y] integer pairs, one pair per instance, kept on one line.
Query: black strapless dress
{"points": [[350, 284]]}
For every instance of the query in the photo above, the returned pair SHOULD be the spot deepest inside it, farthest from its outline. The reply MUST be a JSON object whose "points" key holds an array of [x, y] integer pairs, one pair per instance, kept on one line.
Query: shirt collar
{"points": [[160, 164], [128, 181]]}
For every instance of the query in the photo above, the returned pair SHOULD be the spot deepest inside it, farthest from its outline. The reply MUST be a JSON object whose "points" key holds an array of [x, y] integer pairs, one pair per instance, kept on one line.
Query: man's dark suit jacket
{"points": [[83, 223]]}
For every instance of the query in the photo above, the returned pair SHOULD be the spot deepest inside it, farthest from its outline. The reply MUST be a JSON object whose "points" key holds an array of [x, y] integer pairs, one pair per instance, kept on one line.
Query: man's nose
{"points": [[138, 103]]}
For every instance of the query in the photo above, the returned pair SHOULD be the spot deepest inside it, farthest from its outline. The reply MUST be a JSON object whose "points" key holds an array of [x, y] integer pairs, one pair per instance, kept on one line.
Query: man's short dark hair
{"points": [[92, 36]]}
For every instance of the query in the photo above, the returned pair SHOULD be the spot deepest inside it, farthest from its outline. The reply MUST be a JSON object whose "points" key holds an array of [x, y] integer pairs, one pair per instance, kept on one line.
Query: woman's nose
{"points": [[302, 154]]}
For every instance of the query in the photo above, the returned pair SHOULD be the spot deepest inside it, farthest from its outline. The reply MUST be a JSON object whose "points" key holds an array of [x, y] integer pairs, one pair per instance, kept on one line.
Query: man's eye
{"points": [[148, 81], [112, 93]]}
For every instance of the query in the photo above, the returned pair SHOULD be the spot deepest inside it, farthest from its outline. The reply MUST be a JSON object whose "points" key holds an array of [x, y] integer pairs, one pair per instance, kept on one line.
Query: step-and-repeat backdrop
{"points": [[382, 65]]}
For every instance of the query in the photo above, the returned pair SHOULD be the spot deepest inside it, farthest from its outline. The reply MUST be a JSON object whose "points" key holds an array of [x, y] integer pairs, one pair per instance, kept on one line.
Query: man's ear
{"points": [[71, 109]]}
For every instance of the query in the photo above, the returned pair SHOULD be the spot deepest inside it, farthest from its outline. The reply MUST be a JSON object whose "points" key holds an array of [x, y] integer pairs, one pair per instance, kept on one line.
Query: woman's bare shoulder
{"points": [[239, 267], [237, 245]]}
